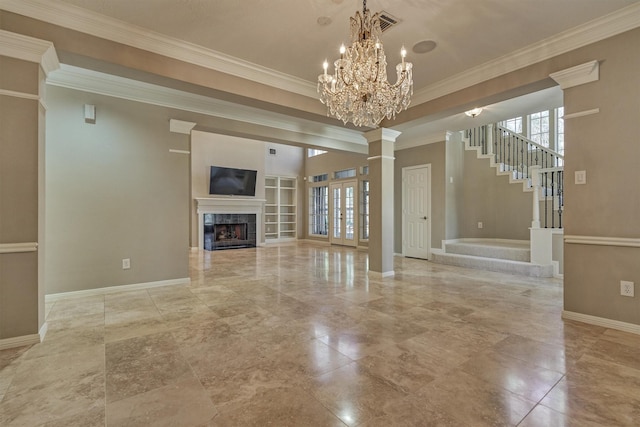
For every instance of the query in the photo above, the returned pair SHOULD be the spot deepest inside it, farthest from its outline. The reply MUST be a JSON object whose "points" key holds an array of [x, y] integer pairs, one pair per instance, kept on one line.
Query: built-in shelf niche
{"points": [[281, 208]]}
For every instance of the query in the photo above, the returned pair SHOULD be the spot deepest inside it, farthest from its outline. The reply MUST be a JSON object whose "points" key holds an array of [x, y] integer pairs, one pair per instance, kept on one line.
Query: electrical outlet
{"points": [[126, 263], [626, 288], [480, 225]]}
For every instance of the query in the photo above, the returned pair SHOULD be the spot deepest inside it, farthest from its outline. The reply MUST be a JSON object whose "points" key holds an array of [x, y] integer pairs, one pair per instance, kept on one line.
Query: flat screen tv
{"points": [[232, 182]]}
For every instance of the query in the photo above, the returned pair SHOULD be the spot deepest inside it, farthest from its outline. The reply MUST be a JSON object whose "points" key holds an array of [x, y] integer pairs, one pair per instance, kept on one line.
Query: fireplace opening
{"points": [[229, 231]]}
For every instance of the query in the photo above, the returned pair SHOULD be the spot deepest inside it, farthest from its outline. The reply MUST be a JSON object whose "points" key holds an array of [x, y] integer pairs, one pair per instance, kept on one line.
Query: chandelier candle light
{"points": [[358, 90]]}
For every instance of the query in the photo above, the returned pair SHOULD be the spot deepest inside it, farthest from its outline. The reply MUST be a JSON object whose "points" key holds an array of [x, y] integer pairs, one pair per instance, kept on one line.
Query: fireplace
{"points": [[229, 222], [229, 231]]}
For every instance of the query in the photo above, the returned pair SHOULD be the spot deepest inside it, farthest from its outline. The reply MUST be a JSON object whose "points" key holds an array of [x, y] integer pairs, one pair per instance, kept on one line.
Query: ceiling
{"points": [[284, 35], [287, 41]]}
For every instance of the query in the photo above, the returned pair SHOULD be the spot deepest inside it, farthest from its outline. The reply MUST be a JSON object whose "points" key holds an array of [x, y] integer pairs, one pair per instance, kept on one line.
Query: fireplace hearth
{"points": [[229, 231]]}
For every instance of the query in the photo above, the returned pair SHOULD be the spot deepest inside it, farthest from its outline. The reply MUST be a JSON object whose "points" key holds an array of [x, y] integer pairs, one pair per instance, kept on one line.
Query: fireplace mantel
{"points": [[229, 205]]}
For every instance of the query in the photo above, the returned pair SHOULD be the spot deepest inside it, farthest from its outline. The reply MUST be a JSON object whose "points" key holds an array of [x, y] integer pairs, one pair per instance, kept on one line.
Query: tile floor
{"points": [[297, 335]]}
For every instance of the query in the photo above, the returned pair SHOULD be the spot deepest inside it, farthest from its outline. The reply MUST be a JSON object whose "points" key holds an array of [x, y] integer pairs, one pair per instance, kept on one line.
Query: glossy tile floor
{"points": [[297, 335]]}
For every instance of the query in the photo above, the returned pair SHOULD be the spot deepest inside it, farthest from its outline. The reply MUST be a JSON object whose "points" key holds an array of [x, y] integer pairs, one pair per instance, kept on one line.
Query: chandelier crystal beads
{"points": [[358, 90]]}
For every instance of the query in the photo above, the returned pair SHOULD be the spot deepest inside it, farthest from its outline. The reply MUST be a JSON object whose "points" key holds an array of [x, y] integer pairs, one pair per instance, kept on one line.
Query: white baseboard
{"points": [[121, 288], [319, 242], [377, 275], [19, 341], [601, 321]]}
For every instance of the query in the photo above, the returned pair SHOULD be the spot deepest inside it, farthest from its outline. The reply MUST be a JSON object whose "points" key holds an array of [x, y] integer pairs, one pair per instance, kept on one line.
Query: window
{"points": [[319, 210], [514, 125], [347, 173], [364, 211], [364, 170], [314, 152], [560, 130], [539, 128], [319, 178]]}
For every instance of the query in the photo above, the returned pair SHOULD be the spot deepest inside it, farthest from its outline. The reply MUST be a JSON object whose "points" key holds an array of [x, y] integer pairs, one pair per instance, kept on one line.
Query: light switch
{"points": [[581, 177]]}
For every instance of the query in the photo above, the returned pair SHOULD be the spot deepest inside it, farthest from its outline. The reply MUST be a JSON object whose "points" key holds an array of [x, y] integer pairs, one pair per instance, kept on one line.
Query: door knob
{"points": [[424, 217]]}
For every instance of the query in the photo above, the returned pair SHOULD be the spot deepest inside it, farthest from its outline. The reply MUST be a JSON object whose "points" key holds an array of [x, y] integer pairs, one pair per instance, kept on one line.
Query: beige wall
{"points": [[433, 154], [503, 208], [605, 145], [114, 191], [19, 175]]}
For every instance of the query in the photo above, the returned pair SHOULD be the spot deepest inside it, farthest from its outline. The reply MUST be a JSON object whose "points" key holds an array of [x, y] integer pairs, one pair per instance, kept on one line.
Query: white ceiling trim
{"points": [[119, 87], [602, 28], [30, 49], [88, 22]]}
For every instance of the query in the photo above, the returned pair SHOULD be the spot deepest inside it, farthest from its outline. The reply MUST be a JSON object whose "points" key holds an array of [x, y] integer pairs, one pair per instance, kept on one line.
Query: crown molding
{"points": [[590, 32], [180, 126], [29, 49], [382, 134], [88, 22], [76, 78], [95, 24], [422, 140], [578, 75]]}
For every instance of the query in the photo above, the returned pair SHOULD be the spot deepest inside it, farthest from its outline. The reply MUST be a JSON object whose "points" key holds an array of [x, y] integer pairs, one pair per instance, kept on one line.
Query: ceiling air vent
{"points": [[387, 21]]}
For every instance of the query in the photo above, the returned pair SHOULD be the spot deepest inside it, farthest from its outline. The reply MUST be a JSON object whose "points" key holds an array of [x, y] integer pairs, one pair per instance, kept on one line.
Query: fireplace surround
{"points": [[232, 215]]}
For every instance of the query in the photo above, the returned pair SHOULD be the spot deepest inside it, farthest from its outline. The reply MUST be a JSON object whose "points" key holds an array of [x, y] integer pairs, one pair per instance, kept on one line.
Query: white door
{"points": [[343, 209], [416, 211]]}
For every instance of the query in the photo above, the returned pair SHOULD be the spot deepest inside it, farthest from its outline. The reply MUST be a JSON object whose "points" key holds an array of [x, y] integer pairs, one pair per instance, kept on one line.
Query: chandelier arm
{"points": [[401, 79]]}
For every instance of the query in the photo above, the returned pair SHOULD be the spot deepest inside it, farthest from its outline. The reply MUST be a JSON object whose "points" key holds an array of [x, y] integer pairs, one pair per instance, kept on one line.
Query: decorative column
{"points": [[24, 63], [381, 168]]}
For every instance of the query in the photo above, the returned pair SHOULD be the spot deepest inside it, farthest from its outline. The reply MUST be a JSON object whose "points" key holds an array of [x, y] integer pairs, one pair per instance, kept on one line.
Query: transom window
{"points": [[311, 152], [347, 173]]}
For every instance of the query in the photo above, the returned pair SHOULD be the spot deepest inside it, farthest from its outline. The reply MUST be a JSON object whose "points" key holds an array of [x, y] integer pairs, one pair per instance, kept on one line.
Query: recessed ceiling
{"points": [[285, 35]]}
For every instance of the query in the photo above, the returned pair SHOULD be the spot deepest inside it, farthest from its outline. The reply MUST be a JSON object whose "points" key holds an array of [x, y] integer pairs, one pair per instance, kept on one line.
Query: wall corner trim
{"points": [[580, 114], [29, 49], [180, 126], [578, 75], [12, 248], [601, 321]]}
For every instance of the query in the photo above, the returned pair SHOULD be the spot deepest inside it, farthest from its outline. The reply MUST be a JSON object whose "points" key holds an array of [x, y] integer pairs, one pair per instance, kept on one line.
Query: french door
{"points": [[343, 207]]}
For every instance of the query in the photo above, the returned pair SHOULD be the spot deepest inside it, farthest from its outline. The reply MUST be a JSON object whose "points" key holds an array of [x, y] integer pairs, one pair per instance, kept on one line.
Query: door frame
{"points": [[404, 199]]}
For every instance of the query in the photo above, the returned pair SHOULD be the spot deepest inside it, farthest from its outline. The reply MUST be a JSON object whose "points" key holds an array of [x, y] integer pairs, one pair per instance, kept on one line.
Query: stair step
{"points": [[493, 264], [507, 250]]}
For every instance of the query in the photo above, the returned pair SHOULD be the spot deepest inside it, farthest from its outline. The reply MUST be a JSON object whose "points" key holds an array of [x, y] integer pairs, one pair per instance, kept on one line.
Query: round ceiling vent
{"points": [[324, 21], [424, 46]]}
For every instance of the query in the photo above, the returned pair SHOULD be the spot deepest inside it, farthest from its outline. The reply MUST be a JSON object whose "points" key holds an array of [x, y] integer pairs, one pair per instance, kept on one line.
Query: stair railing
{"points": [[548, 187], [512, 150]]}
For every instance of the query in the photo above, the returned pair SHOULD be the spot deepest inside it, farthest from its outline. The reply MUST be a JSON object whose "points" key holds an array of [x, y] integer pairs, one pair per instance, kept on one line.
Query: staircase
{"points": [[506, 256], [539, 171]]}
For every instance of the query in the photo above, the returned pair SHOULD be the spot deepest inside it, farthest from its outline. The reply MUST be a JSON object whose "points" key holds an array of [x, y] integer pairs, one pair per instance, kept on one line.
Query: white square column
{"points": [[381, 200]]}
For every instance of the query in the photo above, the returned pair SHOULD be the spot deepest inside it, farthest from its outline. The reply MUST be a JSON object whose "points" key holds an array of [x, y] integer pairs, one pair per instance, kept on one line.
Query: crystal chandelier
{"points": [[358, 91]]}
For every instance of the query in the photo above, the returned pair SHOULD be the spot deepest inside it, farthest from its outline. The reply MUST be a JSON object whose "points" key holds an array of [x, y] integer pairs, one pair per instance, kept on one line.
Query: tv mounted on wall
{"points": [[232, 182]]}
